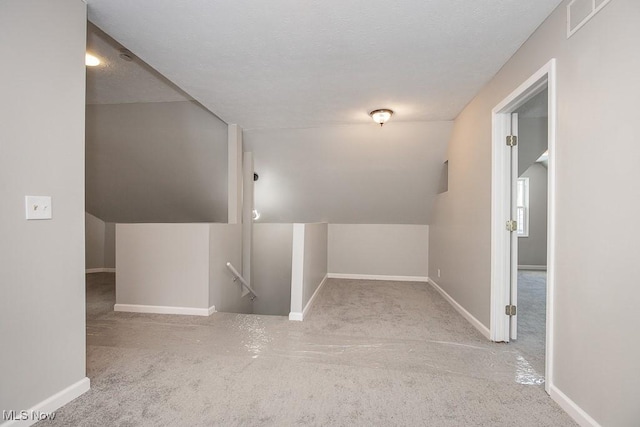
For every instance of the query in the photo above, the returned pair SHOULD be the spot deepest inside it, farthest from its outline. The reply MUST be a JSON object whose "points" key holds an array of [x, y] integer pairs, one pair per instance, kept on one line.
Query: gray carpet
{"points": [[369, 353], [532, 300]]}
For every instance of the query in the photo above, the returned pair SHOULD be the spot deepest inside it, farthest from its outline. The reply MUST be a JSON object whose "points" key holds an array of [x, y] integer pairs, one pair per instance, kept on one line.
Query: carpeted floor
{"points": [[532, 308], [369, 353]]}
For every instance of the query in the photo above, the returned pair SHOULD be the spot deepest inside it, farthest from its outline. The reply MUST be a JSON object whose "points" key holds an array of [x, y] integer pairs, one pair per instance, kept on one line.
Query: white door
{"points": [[513, 259]]}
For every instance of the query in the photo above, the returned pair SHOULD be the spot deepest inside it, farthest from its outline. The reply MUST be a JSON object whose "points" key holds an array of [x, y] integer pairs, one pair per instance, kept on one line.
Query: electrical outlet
{"points": [[438, 273], [38, 207]]}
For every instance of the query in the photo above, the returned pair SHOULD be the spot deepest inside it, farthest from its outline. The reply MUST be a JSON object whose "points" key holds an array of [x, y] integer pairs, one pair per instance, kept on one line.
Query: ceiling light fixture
{"points": [[381, 116], [90, 60]]}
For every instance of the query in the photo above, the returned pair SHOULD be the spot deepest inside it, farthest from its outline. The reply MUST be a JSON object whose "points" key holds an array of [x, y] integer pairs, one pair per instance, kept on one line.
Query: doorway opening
{"points": [[523, 130]]}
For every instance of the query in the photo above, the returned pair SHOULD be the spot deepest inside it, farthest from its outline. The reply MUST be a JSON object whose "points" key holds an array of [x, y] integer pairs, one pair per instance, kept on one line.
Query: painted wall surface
{"points": [[312, 175], [42, 263], [94, 241], [597, 68], [156, 162], [533, 130], [532, 250], [162, 265], [379, 249], [225, 245], [110, 245], [315, 258], [308, 264], [271, 266]]}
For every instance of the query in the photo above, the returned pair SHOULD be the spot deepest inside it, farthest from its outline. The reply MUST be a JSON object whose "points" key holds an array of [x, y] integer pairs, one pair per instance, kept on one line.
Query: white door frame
{"points": [[501, 267]]}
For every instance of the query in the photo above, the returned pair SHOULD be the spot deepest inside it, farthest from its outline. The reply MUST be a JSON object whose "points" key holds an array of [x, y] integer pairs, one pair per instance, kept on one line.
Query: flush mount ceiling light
{"points": [[90, 60], [381, 116]]}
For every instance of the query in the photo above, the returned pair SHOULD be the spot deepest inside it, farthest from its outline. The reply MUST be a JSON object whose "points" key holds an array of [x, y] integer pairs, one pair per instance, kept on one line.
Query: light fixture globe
{"points": [[381, 116]]}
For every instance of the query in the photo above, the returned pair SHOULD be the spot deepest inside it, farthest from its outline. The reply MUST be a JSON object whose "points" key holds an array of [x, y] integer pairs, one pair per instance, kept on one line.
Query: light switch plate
{"points": [[38, 207]]}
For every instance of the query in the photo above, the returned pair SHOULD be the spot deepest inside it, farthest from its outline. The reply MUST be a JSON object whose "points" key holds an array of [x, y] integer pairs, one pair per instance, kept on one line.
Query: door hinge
{"points": [[512, 225], [510, 310], [512, 140]]}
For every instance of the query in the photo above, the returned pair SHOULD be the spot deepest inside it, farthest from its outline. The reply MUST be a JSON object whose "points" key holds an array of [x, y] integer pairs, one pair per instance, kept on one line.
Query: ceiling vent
{"points": [[126, 55], [579, 12]]}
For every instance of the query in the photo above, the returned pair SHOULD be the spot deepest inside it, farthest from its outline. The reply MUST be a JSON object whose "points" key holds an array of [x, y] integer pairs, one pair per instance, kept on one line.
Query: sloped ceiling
{"points": [[116, 81], [302, 63]]}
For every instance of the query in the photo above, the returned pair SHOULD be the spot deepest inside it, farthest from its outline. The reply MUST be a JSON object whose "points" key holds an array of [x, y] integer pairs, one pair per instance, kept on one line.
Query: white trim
{"points": [[52, 403], [500, 267], [460, 309], [160, 309], [532, 267], [378, 277], [100, 270], [297, 269], [296, 315], [571, 408]]}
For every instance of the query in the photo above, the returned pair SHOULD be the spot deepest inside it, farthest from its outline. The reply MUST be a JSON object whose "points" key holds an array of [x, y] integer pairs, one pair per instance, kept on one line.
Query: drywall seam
{"points": [[378, 277], [161, 309], [460, 309]]}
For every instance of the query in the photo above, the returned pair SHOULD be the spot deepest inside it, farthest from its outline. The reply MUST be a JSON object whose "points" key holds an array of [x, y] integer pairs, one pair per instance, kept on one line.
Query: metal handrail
{"points": [[237, 276]]}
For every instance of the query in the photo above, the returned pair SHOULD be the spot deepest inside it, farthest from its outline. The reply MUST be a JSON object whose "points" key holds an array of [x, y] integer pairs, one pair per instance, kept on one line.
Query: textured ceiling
{"points": [[303, 63], [116, 81]]}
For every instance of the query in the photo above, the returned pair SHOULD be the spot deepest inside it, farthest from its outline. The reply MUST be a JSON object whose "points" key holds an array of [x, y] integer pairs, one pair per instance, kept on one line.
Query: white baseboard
{"points": [[460, 309], [51, 404], [378, 277], [100, 270], [295, 315], [533, 267], [571, 408], [160, 309]]}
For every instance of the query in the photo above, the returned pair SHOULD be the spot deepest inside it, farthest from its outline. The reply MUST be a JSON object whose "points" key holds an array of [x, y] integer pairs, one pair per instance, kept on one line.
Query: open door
{"points": [[504, 210], [512, 226]]}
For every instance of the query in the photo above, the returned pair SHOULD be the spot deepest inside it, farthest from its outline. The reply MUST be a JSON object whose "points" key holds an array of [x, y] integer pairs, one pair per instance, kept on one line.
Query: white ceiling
{"points": [[303, 63]]}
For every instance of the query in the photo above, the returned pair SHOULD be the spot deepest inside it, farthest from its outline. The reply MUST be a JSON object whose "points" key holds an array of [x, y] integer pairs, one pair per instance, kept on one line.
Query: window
{"points": [[522, 207]]}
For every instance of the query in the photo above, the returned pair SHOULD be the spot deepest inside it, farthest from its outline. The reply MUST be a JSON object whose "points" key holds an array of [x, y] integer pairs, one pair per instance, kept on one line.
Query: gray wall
{"points": [[110, 245], [163, 265], [533, 131], [42, 295], [598, 89], [271, 268], [315, 259], [94, 229], [532, 250], [361, 174], [379, 249], [100, 243], [156, 162], [308, 264]]}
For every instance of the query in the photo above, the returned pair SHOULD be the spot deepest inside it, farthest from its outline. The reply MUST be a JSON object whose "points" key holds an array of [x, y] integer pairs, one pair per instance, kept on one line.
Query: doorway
{"points": [[529, 289], [509, 212]]}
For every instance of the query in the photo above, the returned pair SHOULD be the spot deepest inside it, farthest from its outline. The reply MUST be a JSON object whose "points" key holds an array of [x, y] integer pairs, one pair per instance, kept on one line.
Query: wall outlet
{"points": [[438, 273], [38, 207]]}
